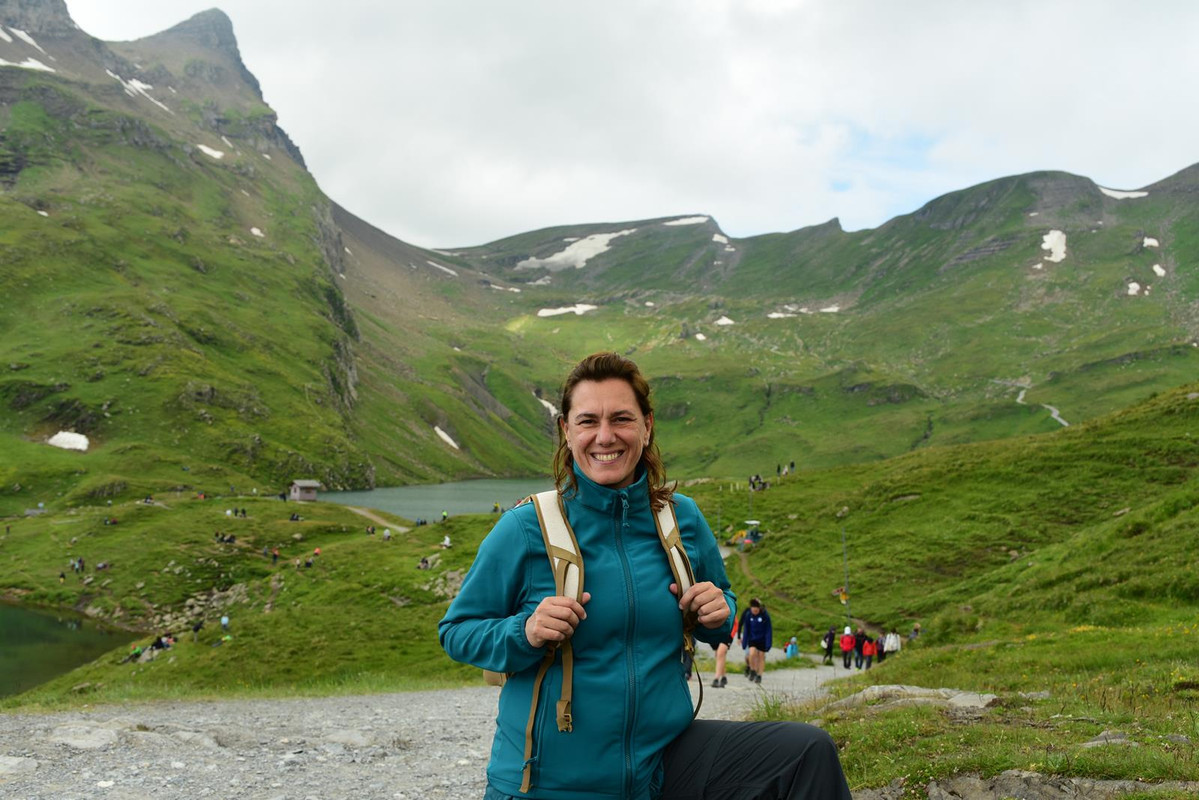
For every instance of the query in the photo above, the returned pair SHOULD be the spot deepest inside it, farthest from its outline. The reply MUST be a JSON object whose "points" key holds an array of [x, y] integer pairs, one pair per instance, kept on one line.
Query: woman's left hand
{"points": [[706, 601]]}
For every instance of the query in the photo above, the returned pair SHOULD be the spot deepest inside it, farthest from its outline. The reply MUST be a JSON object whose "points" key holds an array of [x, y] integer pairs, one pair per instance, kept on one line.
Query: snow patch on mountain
{"points": [[445, 437], [577, 254], [1116, 194], [135, 88], [29, 63], [1159, 271], [210, 151], [69, 440], [1055, 243], [25, 37], [1151, 242], [443, 269], [578, 310], [687, 221]]}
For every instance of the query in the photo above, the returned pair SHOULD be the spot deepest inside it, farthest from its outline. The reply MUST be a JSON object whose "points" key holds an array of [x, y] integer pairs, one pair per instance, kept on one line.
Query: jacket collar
{"points": [[607, 500]]}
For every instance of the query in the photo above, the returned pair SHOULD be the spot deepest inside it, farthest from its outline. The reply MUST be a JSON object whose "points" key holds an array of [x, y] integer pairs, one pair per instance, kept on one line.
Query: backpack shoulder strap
{"points": [[566, 562], [672, 543], [560, 544], [680, 566]]}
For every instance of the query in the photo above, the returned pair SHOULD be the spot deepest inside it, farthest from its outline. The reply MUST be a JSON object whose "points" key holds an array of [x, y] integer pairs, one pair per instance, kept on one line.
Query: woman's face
{"points": [[606, 431]]}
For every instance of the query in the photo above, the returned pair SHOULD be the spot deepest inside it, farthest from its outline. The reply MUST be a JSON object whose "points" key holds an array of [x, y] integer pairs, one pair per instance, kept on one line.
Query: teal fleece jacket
{"points": [[630, 692]]}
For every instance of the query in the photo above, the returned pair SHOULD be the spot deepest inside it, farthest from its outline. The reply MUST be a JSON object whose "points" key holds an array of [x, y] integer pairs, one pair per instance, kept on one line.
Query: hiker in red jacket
{"points": [[869, 650], [847, 646]]}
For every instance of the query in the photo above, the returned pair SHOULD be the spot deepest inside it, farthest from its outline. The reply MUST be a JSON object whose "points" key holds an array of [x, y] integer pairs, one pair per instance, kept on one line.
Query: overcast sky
{"points": [[449, 123]]}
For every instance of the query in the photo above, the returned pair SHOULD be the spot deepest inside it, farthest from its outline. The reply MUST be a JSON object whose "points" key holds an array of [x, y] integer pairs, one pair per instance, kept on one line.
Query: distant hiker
{"points": [[387, 534], [632, 730], [265, 551], [830, 639], [62, 577], [445, 542], [915, 634], [720, 677], [424, 563], [274, 556], [444, 515], [894, 641], [847, 644], [495, 507], [308, 562], [316, 552], [225, 623], [196, 629], [869, 650], [859, 640], [792, 648], [756, 635]]}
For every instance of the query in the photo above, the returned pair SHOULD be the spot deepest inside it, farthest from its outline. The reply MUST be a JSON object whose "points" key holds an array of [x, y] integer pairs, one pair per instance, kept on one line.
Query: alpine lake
{"points": [[37, 644]]}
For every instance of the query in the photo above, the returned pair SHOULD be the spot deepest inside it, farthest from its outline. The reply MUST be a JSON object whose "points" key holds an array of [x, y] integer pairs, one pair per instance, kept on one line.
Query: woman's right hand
{"points": [[555, 619]]}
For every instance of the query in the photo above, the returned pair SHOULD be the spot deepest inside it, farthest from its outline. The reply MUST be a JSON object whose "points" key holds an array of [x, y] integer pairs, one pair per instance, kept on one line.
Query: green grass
{"points": [[1054, 691]]}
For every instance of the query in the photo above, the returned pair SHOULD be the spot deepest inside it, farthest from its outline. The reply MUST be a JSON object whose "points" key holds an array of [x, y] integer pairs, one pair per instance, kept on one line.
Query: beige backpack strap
{"points": [[680, 566], [567, 564]]}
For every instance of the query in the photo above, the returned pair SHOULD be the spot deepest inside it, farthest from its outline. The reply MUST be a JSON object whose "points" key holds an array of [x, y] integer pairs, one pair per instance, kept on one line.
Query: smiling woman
{"points": [[625, 726]]}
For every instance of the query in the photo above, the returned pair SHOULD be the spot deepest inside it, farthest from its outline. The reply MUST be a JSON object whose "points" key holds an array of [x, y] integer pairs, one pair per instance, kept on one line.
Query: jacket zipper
{"points": [[630, 673]]}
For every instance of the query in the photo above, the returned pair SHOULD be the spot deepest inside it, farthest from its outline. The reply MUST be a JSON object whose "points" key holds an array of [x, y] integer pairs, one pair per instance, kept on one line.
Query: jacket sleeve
{"points": [[485, 624], [769, 630], [706, 563]]}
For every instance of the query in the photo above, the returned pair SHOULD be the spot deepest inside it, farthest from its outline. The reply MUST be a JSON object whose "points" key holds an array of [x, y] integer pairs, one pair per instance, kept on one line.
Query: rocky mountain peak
{"points": [[211, 28], [48, 17]]}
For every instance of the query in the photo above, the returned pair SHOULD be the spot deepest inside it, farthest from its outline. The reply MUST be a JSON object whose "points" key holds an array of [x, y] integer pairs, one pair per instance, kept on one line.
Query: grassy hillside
{"points": [[362, 617], [178, 289], [1088, 527]]}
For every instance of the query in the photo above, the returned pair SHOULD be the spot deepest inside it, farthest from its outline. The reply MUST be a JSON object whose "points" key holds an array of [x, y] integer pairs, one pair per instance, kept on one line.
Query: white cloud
{"points": [[770, 115]]}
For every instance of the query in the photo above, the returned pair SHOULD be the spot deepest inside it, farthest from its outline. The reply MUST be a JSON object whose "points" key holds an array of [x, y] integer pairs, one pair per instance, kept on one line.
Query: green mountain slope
{"points": [[177, 288]]}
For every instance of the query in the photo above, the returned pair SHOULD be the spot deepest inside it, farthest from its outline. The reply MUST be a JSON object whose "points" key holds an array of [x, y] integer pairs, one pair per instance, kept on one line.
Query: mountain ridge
{"points": [[165, 230]]}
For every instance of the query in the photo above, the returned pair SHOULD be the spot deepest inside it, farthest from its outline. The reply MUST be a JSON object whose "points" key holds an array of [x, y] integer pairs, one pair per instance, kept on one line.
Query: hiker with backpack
{"points": [[585, 598], [757, 634]]}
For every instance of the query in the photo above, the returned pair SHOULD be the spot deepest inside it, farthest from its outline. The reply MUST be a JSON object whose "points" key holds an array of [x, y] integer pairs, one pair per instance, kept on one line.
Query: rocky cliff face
{"points": [[46, 17]]}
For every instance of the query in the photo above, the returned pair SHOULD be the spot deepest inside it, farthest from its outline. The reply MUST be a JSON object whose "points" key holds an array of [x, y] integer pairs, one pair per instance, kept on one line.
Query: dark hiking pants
{"points": [[717, 760]]}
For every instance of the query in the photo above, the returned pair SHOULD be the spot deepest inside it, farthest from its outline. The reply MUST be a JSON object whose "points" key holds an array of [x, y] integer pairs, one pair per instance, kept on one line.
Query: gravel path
{"points": [[412, 745]]}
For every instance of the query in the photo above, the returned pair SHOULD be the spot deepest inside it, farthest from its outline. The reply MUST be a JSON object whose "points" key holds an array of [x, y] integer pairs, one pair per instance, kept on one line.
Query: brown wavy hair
{"points": [[601, 367]]}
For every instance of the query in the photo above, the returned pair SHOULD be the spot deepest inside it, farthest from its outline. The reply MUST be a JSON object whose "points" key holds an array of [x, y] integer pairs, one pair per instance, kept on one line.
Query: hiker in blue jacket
{"points": [[757, 635], [629, 731]]}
